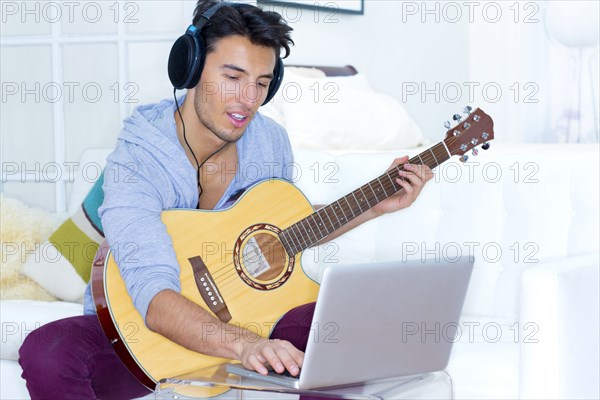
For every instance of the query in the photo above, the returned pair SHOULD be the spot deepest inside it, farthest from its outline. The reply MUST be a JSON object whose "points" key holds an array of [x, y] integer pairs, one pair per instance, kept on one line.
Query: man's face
{"points": [[234, 83]]}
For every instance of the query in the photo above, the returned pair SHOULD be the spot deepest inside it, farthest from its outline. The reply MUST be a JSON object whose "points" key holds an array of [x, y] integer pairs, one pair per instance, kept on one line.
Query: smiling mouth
{"points": [[238, 117], [238, 120]]}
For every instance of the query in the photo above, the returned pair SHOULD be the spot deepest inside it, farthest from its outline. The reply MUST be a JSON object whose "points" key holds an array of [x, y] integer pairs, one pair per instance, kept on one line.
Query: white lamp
{"points": [[575, 25]]}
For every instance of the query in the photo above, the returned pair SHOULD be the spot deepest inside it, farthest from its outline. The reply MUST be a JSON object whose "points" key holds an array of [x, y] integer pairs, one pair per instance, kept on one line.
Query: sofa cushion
{"points": [[340, 113], [346, 117], [20, 317], [13, 386], [63, 268]]}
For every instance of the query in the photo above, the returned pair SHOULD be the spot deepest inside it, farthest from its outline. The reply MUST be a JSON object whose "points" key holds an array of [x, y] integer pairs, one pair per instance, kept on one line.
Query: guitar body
{"points": [[231, 263]]}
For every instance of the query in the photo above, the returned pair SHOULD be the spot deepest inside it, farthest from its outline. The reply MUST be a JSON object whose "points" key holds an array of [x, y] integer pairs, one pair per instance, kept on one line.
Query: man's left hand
{"points": [[411, 179]]}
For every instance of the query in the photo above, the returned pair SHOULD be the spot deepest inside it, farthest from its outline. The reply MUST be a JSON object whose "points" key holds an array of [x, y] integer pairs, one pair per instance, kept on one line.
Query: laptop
{"points": [[377, 321]]}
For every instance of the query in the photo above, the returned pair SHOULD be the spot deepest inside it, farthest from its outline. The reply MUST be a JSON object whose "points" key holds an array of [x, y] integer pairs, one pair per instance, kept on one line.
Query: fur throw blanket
{"points": [[22, 228]]}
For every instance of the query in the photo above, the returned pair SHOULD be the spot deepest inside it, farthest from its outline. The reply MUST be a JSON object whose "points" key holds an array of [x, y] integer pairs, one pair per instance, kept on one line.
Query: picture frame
{"points": [[333, 6]]}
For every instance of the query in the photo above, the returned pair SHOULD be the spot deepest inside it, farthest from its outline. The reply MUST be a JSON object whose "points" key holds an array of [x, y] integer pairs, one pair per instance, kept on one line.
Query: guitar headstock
{"points": [[476, 130]]}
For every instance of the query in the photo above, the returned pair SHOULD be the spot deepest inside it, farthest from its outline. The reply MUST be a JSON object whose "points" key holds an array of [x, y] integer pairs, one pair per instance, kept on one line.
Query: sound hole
{"points": [[260, 259], [263, 257]]}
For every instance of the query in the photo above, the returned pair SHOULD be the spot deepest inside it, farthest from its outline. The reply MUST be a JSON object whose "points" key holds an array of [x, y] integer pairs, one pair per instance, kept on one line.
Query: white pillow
{"points": [[341, 113], [274, 109]]}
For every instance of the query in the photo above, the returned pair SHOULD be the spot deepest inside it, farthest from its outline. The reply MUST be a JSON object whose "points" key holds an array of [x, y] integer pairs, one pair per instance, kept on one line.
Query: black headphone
{"points": [[188, 54]]}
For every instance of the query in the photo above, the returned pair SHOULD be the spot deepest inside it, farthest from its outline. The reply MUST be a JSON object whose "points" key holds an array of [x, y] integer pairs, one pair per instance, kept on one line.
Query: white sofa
{"points": [[529, 214]]}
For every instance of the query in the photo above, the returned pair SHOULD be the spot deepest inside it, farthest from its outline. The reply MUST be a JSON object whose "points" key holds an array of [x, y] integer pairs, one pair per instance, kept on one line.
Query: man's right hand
{"points": [[186, 328], [279, 354]]}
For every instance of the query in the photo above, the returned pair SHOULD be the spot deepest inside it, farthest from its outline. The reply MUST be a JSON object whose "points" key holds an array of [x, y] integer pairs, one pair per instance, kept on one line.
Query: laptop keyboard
{"points": [[285, 373]]}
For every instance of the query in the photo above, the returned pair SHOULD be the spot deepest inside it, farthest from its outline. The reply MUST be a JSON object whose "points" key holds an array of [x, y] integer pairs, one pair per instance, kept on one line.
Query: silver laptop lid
{"points": [[374, 321]]}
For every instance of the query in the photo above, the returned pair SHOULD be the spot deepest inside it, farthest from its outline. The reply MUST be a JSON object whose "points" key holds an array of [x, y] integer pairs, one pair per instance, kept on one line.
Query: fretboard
{"points": [[311, 230]]}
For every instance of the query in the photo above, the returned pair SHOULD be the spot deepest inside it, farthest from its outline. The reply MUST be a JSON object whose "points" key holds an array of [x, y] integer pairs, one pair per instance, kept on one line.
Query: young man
{"points": [[160, 163]]}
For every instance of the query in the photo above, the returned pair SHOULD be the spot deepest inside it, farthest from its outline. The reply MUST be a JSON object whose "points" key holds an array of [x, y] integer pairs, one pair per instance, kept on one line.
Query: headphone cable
{"points": [[198, 165]]}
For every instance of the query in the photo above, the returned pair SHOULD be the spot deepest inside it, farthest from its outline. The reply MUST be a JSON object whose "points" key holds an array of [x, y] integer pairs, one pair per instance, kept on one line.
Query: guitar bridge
{"points": [[208, 290]]}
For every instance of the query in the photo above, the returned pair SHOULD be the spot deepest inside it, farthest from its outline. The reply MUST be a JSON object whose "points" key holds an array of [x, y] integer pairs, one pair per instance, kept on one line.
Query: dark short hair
{"points": [[264, 28]]}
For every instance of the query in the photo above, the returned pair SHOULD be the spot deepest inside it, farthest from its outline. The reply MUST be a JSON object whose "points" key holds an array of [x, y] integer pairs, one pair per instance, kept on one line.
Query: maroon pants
{"points": [[72, 358]]}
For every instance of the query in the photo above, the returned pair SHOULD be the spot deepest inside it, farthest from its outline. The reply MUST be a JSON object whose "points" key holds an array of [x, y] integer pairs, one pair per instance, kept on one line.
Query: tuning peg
{"points": [[467, 109], [447, 124], [475, 152], [464, 158], [485, 146], [456, 117]]}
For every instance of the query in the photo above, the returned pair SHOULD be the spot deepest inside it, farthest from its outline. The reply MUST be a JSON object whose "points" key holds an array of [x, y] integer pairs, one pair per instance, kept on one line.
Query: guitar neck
{"points": [[312, 229]]}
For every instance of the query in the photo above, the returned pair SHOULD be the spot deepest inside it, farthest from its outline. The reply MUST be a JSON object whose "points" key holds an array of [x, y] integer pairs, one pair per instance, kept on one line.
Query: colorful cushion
{"points": [[63, 264]]}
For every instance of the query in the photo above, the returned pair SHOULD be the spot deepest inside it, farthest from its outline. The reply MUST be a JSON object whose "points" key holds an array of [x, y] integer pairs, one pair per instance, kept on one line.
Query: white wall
{"points": [[70, 72]]}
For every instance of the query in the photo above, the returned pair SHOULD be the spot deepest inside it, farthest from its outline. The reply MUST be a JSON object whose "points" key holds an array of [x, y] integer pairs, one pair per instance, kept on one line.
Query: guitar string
{"points": [[228, 271], [229, 275], [255, 253]]}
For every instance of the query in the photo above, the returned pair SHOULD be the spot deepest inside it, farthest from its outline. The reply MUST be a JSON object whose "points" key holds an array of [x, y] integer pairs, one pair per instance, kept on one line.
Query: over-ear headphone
{"points": [[188, 54]]}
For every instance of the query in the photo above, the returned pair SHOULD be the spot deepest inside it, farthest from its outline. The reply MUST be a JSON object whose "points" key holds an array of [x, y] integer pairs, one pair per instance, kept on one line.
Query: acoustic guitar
{"points": [[243, 264]]}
